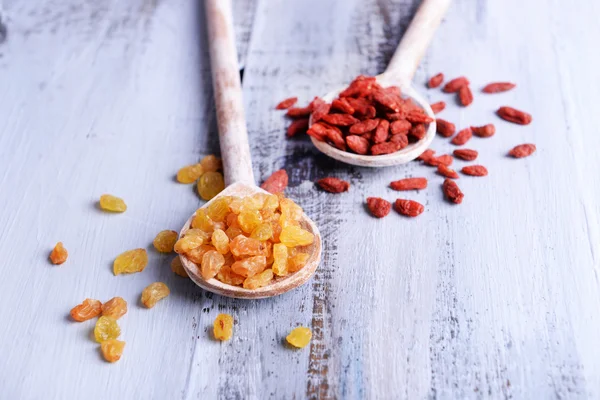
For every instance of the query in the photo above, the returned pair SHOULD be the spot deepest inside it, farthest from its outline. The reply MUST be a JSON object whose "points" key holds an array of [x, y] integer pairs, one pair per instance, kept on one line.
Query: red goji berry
{"points": [[410, 208], [385, 148], [382, 132], [435, 80], [418, 131], [418, 116], [357, 144], [484, 131], [452, 191], [365, 126], [446, 160], [498, 87], [462, 137], [438, 107], [320, 111], [378, 207], [337, 139], [401, 139], [426, 155], [409, 184], [513, 115], [396, 116], [522, 150], [455, 84], [400, 126], [445, 128], [388, 99], [474, 170], [342, 105], [318, 131], [297, 126], [465, 154], [333, 185], [361, 86], [340, 119], [298, 112], [465, 96], [277, 182], [447, 172], [287, 103]]}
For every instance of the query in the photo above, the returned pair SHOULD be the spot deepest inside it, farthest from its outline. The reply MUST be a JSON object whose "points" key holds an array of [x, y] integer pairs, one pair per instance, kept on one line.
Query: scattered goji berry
{"points": [[410, 208], [333, 185], [498, 87], [474, 170], [484, 131], [287, 103], [452, 191], [357, 144], [298, 112], [438, 107], [445, 128], [426, 155], [446, 160], [277, 182], [465, 96], [522, 150], [409, 184], [435, 80], [364, 126], [455, 84], [378, 207], [447, 172], [513, 115], [462, 137], [297, 126], [465, 154]]}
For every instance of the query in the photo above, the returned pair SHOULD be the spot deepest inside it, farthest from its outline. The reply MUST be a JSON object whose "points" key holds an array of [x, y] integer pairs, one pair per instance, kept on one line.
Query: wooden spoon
{"points": [[400, 72], [235, 153]]}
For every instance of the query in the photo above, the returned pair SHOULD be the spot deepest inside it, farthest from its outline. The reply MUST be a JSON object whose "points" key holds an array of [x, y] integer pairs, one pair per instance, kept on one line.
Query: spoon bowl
{"points": [[279, 285], [402, 156]]}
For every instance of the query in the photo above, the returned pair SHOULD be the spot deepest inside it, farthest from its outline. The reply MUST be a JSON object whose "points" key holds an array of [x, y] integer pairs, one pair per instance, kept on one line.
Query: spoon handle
{"points": [[233, 135], [416, 39]]}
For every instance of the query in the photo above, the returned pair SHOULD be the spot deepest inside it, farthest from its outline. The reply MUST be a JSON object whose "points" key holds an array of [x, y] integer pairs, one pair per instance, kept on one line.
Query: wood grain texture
{"points": [[495, 298]]}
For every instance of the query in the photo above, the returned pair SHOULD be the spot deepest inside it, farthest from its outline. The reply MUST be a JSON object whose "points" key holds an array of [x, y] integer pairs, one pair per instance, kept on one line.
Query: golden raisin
{"points": [[223, 327], [297, 262], [262, 232], [177, 267], [211, 163], [112, 203], [299, 337], [271, 203], [233, 232], [226, 275], [153, 293], [195, 255], [221, 241], [190, 173], [290, 210], [218, 209], [112, 349], [189, 242], [106, 328], [259, 280], [202, 221], [165, 241], [293, 236], [59, 254], [114, 308], [210, 184], [212, 261], [249, 219], [280, 259], [130, 261], [243, 246], [250, 266], [89, 309]]}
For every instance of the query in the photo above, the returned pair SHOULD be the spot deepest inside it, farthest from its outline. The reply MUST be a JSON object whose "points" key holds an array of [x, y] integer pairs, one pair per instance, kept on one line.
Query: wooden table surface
{"points": [[495, 298]]}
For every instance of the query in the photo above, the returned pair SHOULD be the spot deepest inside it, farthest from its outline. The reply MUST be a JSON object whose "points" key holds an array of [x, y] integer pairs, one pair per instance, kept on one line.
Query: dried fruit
{"points": [[297, 261], [249, 266], [462, 137], [400, 126], [177, 267], [293, 236], [210, 185], [333, 185], [484, 131], [342, 105], [363, 127], [112, 349], [226, 275], [385, 148], [418, 117], [154, 292], [474, 170], [287, 103], [130, 262], [465, 96], [89, 309], [426, 155], [498, 87], [340, 119], [114, 308], [438, 107], [211, 163], [212, 261], [409, 184], [465, 154], [522, 150], [378, 207], [410, 208], [190, 241], [418, 131], [262, 232], [357, 144], [59, 254], [513, 115], [400, 139], [259, 280], [447, 172], [112, 203], [445, 128], [452, 191], [249, 220], [319, 111], [299, 337], [202, 221], [277, 182], [446, 160], [223, 327], [297, 127], [220, 240], [299, 112], [190, 173], [280, 259], [106, 329], [165, 241], [455, 84], [435, 80]]}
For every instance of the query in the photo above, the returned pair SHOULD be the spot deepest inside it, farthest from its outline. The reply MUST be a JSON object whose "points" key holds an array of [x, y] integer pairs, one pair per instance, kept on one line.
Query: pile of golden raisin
{"points": [[247, 241]]}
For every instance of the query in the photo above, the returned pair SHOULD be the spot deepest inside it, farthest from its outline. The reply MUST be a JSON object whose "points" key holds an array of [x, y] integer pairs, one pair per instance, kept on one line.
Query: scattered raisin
{"points": [[89, 309], [299, 337], [59, 254], [223, 327], [106, 328], [112, 203], [210, 184], [153, 293], [165, 241], [112, 349], [114, 308], [190, 173], [130, 262]]}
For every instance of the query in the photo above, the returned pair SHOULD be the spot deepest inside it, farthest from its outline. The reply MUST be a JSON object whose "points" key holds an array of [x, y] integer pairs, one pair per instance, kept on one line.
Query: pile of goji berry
{"points": [[369, 119]]}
